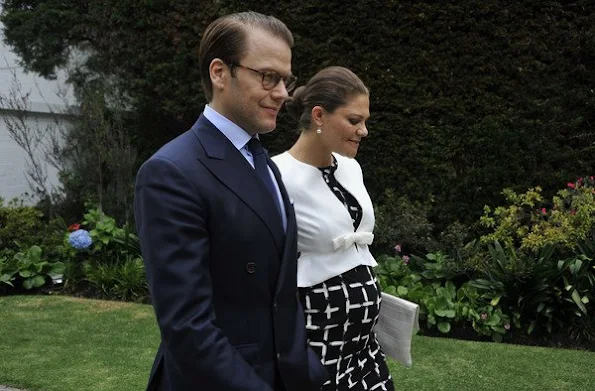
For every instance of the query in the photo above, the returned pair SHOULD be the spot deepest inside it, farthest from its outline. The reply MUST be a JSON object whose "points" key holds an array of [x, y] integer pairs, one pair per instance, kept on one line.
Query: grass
{"points": [[64, 343]]}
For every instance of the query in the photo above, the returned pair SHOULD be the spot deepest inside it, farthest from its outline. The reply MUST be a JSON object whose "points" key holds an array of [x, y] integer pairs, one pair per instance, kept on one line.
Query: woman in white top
{"points": [[335, 218]]}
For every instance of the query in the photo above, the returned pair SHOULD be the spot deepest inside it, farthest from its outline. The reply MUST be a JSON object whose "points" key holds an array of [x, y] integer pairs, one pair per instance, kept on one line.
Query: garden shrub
{"points": [[530, 222], [20, 226]]}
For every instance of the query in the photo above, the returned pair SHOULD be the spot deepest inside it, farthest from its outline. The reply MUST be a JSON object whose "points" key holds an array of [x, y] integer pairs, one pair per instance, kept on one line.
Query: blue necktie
{"points": [[262, 169]]}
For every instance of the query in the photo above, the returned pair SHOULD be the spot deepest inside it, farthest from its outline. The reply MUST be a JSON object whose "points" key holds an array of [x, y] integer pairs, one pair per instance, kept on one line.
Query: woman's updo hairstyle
{"points": [[330, 88]]}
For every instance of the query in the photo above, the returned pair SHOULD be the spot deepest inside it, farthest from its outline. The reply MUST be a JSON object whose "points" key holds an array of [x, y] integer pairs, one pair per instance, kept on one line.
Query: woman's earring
{"points": [[319, 130]]}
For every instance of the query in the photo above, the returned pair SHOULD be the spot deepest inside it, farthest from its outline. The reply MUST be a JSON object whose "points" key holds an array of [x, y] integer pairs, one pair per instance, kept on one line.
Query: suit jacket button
{"points": [[250, 267]]}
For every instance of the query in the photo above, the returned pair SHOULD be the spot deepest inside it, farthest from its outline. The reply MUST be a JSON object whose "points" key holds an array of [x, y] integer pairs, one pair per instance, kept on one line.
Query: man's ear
{"points": [[317, 113], [218, 71]]}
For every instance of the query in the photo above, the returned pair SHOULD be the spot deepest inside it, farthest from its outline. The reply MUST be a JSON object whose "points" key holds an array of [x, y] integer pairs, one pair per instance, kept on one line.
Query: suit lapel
{"points": [[291, 232], [226, 163], [289, 214]]}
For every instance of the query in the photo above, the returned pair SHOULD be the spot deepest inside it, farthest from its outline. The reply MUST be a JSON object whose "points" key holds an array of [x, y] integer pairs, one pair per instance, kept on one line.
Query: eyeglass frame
{"points": [[290, 81]]}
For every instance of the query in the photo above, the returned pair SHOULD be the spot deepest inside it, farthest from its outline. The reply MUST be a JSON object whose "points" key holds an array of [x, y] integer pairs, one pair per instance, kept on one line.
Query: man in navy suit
{"points": [[218, 232]]}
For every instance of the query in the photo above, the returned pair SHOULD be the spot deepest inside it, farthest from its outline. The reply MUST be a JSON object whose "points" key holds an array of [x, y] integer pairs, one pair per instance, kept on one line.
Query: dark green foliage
{"points": [[124, 280], [540, 292], [467, 97], [21, 226], [399, 221]]}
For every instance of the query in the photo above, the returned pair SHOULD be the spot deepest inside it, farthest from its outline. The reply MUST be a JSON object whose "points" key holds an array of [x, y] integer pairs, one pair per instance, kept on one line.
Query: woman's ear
{"points": [[317, 114]]}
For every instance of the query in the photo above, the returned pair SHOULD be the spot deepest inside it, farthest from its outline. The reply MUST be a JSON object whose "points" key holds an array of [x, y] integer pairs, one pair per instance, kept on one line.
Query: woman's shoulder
{"points": [[347, 163], [285, 162], [281, 158], [345, 160], [290, 169]]}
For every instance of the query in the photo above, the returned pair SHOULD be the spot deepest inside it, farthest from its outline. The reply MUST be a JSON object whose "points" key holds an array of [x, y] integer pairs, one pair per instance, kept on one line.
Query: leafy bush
{"points": [[104, 259], [452, 239], [20, 225], [429, 282], [398, 220], [537, 290], [29, 269], [125, 280], [530, 223]]}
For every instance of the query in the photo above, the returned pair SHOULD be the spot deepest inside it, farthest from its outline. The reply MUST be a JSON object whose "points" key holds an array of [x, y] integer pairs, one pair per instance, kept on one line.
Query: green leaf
{"points": [[451, 289], [585, 300], [35, 252], [28, 283], [431, 319], [495, 300], [444, 327], [39, 266], [494, 320], [499, 329], [391, 290], [402, 291], [577, 299], [57, 268], [38, 281], [7, 279]]}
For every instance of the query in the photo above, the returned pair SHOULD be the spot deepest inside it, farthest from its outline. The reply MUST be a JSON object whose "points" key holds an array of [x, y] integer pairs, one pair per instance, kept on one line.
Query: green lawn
{"points": [[64, 343]]}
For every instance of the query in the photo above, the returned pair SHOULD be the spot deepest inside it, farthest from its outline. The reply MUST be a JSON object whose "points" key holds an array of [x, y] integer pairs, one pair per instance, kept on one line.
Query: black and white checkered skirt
{"points": [[341, 313]]}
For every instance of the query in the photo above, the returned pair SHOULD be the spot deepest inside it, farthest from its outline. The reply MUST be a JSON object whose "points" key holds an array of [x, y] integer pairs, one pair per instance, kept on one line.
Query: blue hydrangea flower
{"points": [[80, 239]]}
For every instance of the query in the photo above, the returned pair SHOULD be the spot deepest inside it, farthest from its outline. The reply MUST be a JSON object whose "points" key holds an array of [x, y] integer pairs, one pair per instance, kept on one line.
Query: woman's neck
{"points": [[308, 149]]}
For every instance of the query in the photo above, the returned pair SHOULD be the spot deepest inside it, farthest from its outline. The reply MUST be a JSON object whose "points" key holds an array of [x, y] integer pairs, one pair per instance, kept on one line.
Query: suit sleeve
{"points": [[172, 225]]}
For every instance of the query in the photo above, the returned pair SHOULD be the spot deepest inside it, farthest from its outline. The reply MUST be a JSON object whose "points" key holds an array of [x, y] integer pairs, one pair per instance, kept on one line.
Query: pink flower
{"points": [[543, 211], [507, 326], [405, 259], [484, 316], [398, 248], [580, 180], [571, 185]]}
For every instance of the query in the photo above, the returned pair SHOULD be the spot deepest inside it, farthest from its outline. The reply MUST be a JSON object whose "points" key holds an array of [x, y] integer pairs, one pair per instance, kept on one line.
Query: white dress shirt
{"points": [[240, 138]]}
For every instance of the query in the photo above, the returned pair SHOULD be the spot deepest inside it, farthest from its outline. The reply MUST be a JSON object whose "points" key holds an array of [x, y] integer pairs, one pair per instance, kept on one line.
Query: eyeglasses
{"points": [[270, 79]]}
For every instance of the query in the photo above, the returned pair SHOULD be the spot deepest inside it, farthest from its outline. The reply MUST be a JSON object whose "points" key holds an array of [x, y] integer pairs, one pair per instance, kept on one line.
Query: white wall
{"points": [[13, 161], [46, 97]]}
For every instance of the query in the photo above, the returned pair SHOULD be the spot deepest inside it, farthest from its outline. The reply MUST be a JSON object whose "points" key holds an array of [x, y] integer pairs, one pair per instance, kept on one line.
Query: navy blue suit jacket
{"points": [[221, 271]]}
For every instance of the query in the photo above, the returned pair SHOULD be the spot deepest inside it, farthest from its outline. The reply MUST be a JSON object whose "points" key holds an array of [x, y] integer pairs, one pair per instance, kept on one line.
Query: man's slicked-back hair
{"points": [[225, 39]]}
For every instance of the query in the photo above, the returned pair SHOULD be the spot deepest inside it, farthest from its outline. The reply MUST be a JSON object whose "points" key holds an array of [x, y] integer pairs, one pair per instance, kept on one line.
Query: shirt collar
{"points": [[238, 136]]}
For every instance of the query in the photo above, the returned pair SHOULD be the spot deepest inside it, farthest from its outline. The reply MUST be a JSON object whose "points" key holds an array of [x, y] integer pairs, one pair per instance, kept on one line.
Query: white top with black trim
{"points": [[326, 238]]}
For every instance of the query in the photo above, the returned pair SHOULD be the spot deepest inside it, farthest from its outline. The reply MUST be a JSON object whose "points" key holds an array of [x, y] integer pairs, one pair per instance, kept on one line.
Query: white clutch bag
{"points": [[398, 322]]}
